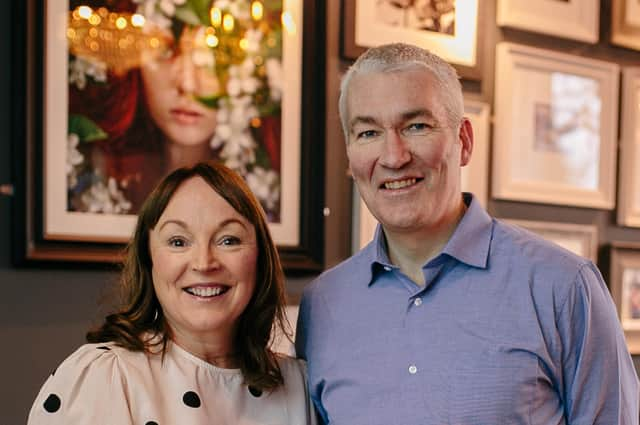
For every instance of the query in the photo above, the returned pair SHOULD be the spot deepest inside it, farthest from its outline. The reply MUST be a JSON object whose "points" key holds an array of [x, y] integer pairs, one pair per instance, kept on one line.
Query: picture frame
{"points": [[555, 132], [474, 176], [573, 19], [624, 283], [625, 23], [629, 178], [362, 29], [581, 239], [46, 234]]}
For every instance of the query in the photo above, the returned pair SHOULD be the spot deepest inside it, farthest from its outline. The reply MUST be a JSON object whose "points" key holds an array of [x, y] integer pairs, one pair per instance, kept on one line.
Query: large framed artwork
{"points": [[474, 177], [117, 93], [624, 283], [581, 239], [629, 179], [555, 133], [625, 23], [575, 19], [449, 28]]}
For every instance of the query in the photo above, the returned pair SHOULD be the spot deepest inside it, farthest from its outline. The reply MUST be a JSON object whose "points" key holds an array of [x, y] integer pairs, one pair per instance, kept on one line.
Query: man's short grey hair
{"points": [[397, 57]]}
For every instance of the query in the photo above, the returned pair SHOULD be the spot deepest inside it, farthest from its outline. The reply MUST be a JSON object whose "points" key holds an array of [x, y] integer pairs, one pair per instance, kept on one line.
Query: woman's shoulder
{"points": [[293, 369], [84, 385]]}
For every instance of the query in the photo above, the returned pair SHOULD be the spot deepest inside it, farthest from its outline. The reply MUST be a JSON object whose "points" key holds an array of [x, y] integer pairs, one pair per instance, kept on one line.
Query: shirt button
{"points": [[417, 302], [413, 369], [387, 268]]}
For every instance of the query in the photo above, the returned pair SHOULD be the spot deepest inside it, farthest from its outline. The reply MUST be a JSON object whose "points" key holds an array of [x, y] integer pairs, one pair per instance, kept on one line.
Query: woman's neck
{"points": [[180, 155]]}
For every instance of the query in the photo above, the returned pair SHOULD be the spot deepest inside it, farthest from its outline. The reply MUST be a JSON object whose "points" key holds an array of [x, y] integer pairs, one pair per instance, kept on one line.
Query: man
{"points": [[449, 316]]}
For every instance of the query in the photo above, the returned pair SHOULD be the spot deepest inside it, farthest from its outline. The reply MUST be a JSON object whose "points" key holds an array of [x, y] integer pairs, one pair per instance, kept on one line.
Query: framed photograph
{"points": [[474, 177], [575, 19], [624, 282], [449, 28], [115, 105], [625, 23], [555, 134], [629, 179], [581, 239]]}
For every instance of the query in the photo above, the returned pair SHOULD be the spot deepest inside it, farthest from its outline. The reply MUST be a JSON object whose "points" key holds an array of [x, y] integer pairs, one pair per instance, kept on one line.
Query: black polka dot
{"points": [[151, 423], [191, 399], [104, 347], [54, 372], [52, 403], [255, 391]]}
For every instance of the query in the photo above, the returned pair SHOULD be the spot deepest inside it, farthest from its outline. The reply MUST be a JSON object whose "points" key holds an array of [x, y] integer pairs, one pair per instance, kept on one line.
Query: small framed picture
{"points": [[625, 23], [555, 128], [474, 177], [449, 28], [629, 189], [575, 19], [625, 290], [581, 239]]}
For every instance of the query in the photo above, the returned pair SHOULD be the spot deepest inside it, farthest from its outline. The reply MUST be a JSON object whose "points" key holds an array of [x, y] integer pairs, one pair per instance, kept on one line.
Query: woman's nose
{"points": [[184, 73], [395, 150], [204, 259]]}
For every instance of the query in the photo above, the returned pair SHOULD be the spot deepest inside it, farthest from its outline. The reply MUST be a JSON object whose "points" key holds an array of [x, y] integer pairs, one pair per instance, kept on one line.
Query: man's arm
{"points": [[600, 382]]}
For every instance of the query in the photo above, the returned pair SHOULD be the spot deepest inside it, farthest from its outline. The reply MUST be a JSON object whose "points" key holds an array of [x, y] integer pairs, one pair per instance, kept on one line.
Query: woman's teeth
{"points": [[205, 291], [399, 184]]}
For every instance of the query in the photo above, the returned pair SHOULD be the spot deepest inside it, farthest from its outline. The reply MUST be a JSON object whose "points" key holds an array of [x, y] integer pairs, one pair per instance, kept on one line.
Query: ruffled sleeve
{"points": [[87, 388], [300, 406]]}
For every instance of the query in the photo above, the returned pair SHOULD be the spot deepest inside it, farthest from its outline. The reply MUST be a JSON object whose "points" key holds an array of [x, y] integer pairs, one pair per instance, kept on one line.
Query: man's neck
{"points": [[411, 249]]}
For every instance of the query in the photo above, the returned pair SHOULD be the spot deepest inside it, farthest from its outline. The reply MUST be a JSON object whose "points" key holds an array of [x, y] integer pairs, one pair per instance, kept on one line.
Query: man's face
{"points": [[404, 154]]}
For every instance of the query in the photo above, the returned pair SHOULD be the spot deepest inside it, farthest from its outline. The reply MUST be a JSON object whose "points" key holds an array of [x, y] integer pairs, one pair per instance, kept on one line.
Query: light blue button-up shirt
{"points": [[509, 329]]}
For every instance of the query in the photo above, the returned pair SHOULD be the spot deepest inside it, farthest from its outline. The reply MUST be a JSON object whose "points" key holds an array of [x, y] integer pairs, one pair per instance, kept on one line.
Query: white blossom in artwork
{"points": [[265, 184], [274, 78], [81, 67], [74, 157], [107, 199]]}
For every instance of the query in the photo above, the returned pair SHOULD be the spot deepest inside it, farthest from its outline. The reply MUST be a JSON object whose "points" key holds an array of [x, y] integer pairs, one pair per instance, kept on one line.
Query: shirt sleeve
{"points": [[600, 381], [87, 388]]}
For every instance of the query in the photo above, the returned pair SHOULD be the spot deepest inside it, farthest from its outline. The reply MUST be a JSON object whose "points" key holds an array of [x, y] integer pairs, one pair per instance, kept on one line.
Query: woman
{"points": [[203, 289], [187, 101]]}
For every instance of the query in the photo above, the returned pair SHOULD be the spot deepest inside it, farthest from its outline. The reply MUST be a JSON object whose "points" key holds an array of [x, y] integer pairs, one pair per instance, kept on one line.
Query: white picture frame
{"points": [[625, 23], [574, 19], [629, 178], [555, 128], [624, 283], [474, 176], [581, 239]]}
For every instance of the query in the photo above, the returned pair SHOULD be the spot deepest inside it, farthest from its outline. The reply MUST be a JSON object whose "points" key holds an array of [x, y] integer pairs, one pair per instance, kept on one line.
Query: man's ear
{"points": [[466, 141]]}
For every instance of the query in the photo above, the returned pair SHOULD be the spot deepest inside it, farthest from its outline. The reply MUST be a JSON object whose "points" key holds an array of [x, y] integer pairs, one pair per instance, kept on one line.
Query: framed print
{"points": [[128, 91], [474, 176], [575, 19], [448, 28], [629, 186], [625, 23], [581, 239], [555, 128], [624, 282]]}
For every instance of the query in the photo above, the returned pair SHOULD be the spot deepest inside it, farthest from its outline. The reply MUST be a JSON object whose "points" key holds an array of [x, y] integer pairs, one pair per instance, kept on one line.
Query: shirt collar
{"points": [[469, 243]]}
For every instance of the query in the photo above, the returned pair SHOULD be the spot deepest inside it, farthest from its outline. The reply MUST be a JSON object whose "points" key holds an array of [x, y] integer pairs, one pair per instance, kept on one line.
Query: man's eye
{"points": [[417, 127], [367, 134], [177, 242], [229, 241]]}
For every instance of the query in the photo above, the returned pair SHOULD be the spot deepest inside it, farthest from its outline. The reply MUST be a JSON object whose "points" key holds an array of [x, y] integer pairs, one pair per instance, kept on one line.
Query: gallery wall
{"points": [[44, 313]]}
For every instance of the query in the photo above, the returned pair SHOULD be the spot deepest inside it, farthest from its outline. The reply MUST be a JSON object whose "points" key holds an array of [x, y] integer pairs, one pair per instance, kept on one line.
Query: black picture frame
{"points": [[29, 246]]}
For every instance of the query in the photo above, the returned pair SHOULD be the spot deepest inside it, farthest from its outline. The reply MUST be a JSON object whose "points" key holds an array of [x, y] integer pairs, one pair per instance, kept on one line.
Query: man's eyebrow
{"points": [[362, 120], [421, 112]]}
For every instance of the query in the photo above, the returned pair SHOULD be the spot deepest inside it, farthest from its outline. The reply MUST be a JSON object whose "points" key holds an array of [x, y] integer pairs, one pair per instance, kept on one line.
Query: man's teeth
{"points": [[399, 184], [205, 292]]}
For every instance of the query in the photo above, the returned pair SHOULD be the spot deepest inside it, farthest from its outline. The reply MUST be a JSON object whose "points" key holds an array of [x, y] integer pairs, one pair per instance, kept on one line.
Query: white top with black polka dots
{"points": [[107, 384]]}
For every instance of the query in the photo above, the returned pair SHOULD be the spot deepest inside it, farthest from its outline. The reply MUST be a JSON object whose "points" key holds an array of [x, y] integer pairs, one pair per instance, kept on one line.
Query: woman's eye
{"points": [[229, 240], [177, 242]]}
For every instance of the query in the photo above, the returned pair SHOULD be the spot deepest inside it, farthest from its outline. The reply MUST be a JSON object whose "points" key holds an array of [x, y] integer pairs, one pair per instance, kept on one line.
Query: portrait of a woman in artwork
{"points": [[159, 84], [426, 15]]}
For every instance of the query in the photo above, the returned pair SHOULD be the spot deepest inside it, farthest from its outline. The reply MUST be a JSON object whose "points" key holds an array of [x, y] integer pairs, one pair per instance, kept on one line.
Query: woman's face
{"points": [[172, 85], [204, 255]]}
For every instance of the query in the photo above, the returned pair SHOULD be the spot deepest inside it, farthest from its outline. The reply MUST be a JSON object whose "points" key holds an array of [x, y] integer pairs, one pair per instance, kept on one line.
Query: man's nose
{"points": [[396, 151]]}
